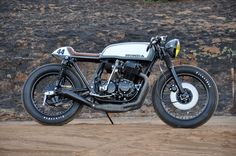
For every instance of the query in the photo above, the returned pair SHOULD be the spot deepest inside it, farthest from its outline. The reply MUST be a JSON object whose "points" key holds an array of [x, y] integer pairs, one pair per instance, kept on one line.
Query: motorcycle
{"points": [[184, 96]]}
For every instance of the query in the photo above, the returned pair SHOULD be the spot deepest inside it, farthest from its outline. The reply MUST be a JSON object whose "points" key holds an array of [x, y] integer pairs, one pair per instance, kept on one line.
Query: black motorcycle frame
{"points": [[69, 63]]}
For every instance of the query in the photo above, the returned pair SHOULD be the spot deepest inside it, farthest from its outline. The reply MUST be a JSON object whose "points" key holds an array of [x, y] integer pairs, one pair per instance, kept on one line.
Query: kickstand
{"points": [[109, 118]]}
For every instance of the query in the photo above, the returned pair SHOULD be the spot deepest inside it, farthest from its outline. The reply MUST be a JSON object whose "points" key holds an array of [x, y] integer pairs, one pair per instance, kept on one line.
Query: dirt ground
{"points": [[129, 136]]}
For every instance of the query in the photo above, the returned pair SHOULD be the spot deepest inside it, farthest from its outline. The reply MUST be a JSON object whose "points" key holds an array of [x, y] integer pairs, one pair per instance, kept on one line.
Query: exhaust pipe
{"points": [[111, 107]]}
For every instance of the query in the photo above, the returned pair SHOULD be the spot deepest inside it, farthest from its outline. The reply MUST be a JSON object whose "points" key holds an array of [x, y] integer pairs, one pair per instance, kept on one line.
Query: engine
{"points": [[122, 83], [131, 69]]}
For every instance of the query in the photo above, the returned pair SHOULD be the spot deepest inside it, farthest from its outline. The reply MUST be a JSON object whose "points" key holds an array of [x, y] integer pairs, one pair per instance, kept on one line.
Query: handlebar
{"points": [[157, 41]]}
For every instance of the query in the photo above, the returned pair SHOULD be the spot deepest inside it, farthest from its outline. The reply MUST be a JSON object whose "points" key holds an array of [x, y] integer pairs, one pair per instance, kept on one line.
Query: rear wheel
{"points": [[190, 109], [41, 102]]}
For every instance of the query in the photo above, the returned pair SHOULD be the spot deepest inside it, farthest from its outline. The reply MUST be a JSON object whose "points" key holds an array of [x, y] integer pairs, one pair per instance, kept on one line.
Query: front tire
{"points": [[189, 112], [42, 80]]}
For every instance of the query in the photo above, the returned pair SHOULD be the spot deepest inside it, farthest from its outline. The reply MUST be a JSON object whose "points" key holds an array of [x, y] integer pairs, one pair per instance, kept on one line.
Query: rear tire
{"points": [[32, 96], [187, 114]]}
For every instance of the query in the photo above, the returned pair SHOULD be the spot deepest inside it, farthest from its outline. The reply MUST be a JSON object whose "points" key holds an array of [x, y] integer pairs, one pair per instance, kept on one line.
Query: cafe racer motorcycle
{"points": [[183, 96]]}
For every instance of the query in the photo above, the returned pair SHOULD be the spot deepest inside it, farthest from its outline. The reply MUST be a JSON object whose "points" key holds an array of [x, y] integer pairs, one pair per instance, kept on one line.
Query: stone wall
{"points": [[31, 30]]}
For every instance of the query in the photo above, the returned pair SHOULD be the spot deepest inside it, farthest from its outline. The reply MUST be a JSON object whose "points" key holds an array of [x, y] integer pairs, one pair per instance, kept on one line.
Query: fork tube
{"points": [[171, 68], [177, 80]]}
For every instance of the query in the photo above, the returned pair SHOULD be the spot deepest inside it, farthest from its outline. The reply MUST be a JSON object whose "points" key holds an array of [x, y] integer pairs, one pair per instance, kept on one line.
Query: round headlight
{"points": [[173, 47]]}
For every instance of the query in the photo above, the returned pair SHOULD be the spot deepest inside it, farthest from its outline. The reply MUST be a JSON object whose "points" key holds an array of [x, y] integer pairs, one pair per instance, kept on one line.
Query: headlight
{"points": [[173, 47]]}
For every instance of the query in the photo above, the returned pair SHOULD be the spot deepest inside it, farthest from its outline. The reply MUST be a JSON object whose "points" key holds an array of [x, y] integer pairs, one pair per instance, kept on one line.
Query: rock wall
{"points": [[31, 30]]}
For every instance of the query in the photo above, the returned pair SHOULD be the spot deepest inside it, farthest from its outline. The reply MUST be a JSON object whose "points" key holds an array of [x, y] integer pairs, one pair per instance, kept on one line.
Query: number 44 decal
{"points": [[60, 51]]}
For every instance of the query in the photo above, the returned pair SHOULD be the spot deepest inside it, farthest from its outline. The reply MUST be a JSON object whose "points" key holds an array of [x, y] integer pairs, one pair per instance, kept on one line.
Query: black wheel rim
{"points": [[45, 83], [196, 110]]}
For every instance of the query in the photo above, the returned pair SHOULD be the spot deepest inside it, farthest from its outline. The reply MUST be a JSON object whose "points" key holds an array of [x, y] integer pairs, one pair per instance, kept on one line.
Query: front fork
{"points": [[171, 68]]}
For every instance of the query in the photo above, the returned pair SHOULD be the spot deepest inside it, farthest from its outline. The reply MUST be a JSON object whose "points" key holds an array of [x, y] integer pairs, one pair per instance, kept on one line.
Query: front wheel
{"points": [[190, 109]]}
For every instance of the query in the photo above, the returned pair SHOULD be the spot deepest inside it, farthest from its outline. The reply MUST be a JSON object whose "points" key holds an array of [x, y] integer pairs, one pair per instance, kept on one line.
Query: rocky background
{"points": [[31, 30]]}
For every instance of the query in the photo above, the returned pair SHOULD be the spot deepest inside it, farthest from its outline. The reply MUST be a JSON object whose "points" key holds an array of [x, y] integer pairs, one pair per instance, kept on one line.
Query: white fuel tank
{"points": [[128, 51]]}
